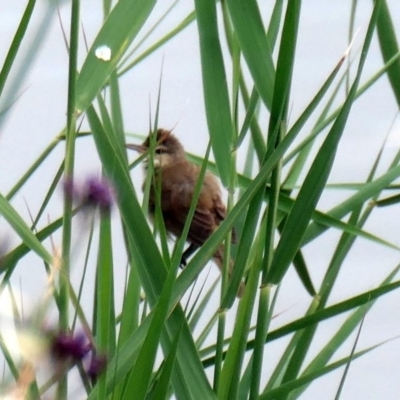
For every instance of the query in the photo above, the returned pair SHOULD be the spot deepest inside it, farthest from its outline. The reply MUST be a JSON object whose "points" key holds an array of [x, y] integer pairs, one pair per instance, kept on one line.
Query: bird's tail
{"points": [[219, 260]]}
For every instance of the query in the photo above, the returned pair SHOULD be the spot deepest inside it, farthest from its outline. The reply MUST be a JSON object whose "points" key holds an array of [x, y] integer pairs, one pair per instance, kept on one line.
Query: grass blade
{"points": [[18, 37], [389, 47], [248, 25], [105, 313], [215, 89], [23, 231], [316, 178], [118, 31]]}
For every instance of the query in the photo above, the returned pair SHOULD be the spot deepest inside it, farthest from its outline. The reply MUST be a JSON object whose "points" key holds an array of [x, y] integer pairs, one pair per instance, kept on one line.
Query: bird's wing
{"points": [[220, 212], [176, 206], [177, 197]]}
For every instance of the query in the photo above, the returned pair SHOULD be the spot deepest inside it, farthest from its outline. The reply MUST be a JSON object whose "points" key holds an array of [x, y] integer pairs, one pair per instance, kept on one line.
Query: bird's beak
{"points": [[137, 147]]}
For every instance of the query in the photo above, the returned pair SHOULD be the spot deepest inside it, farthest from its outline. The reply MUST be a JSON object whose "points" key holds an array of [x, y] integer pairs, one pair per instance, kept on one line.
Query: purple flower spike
{"points": [[99, 193], [97, 365], [69, 346], [93, 192]]}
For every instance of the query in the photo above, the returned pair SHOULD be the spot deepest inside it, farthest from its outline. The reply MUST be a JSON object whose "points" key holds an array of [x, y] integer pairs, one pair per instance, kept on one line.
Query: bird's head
{"points": [[168, 150]]}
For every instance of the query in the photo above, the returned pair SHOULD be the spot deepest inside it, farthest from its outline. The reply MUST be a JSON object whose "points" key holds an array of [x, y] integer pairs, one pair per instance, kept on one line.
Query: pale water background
{"points": [[37, 113]]}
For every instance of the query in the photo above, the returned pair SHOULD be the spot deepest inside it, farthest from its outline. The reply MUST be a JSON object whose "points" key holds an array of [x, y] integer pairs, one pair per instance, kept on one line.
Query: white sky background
{"points": [[39, 114]]}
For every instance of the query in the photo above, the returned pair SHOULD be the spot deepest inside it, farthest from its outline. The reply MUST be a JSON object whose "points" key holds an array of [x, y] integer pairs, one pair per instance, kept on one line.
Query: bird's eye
{"points": [[159, 151]]}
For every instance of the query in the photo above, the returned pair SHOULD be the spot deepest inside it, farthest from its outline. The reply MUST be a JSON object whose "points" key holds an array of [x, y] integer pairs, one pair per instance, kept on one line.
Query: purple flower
{"points": [[67, 346], [93, 192], [99, 193], [97, 365]]}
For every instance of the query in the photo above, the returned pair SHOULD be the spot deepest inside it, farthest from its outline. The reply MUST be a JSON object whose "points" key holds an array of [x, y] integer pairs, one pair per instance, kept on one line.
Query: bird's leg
{"points": [[187, 253]]}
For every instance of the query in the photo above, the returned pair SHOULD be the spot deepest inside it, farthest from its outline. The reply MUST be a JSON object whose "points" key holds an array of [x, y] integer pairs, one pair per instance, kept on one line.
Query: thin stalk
{"points": [[33, 168], [85, 264], [116, 110], [255, 130], [284, 362], [62, 390], [361, 90], [263, 315], [351, 358], [13, 50], [180, 27], [279, 112], [49, 194], [263, 307], [219, 351], [148, 34], [346, 241], [26, 58], [235, 52], [263, 320]]}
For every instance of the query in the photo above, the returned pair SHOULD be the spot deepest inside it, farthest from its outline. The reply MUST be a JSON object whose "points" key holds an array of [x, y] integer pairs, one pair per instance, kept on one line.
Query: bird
{"points": [[176, 176]]}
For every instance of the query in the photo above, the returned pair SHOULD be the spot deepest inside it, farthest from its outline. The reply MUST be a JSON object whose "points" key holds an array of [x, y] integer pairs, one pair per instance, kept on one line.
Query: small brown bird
{"points": [[178, 181]]}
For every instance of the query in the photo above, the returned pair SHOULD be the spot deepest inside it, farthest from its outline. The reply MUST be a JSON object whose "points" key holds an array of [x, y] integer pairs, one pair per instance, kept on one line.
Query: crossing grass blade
{"points": [[231, 371], [344, 331], [304, 381], [309, 193], [332, 219], [262, 177], [10, 260], [140, 376], [191, 17], [316, 178], [276, 132], [23, 231], [162, 385], [360, 197], [320, 315]]}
